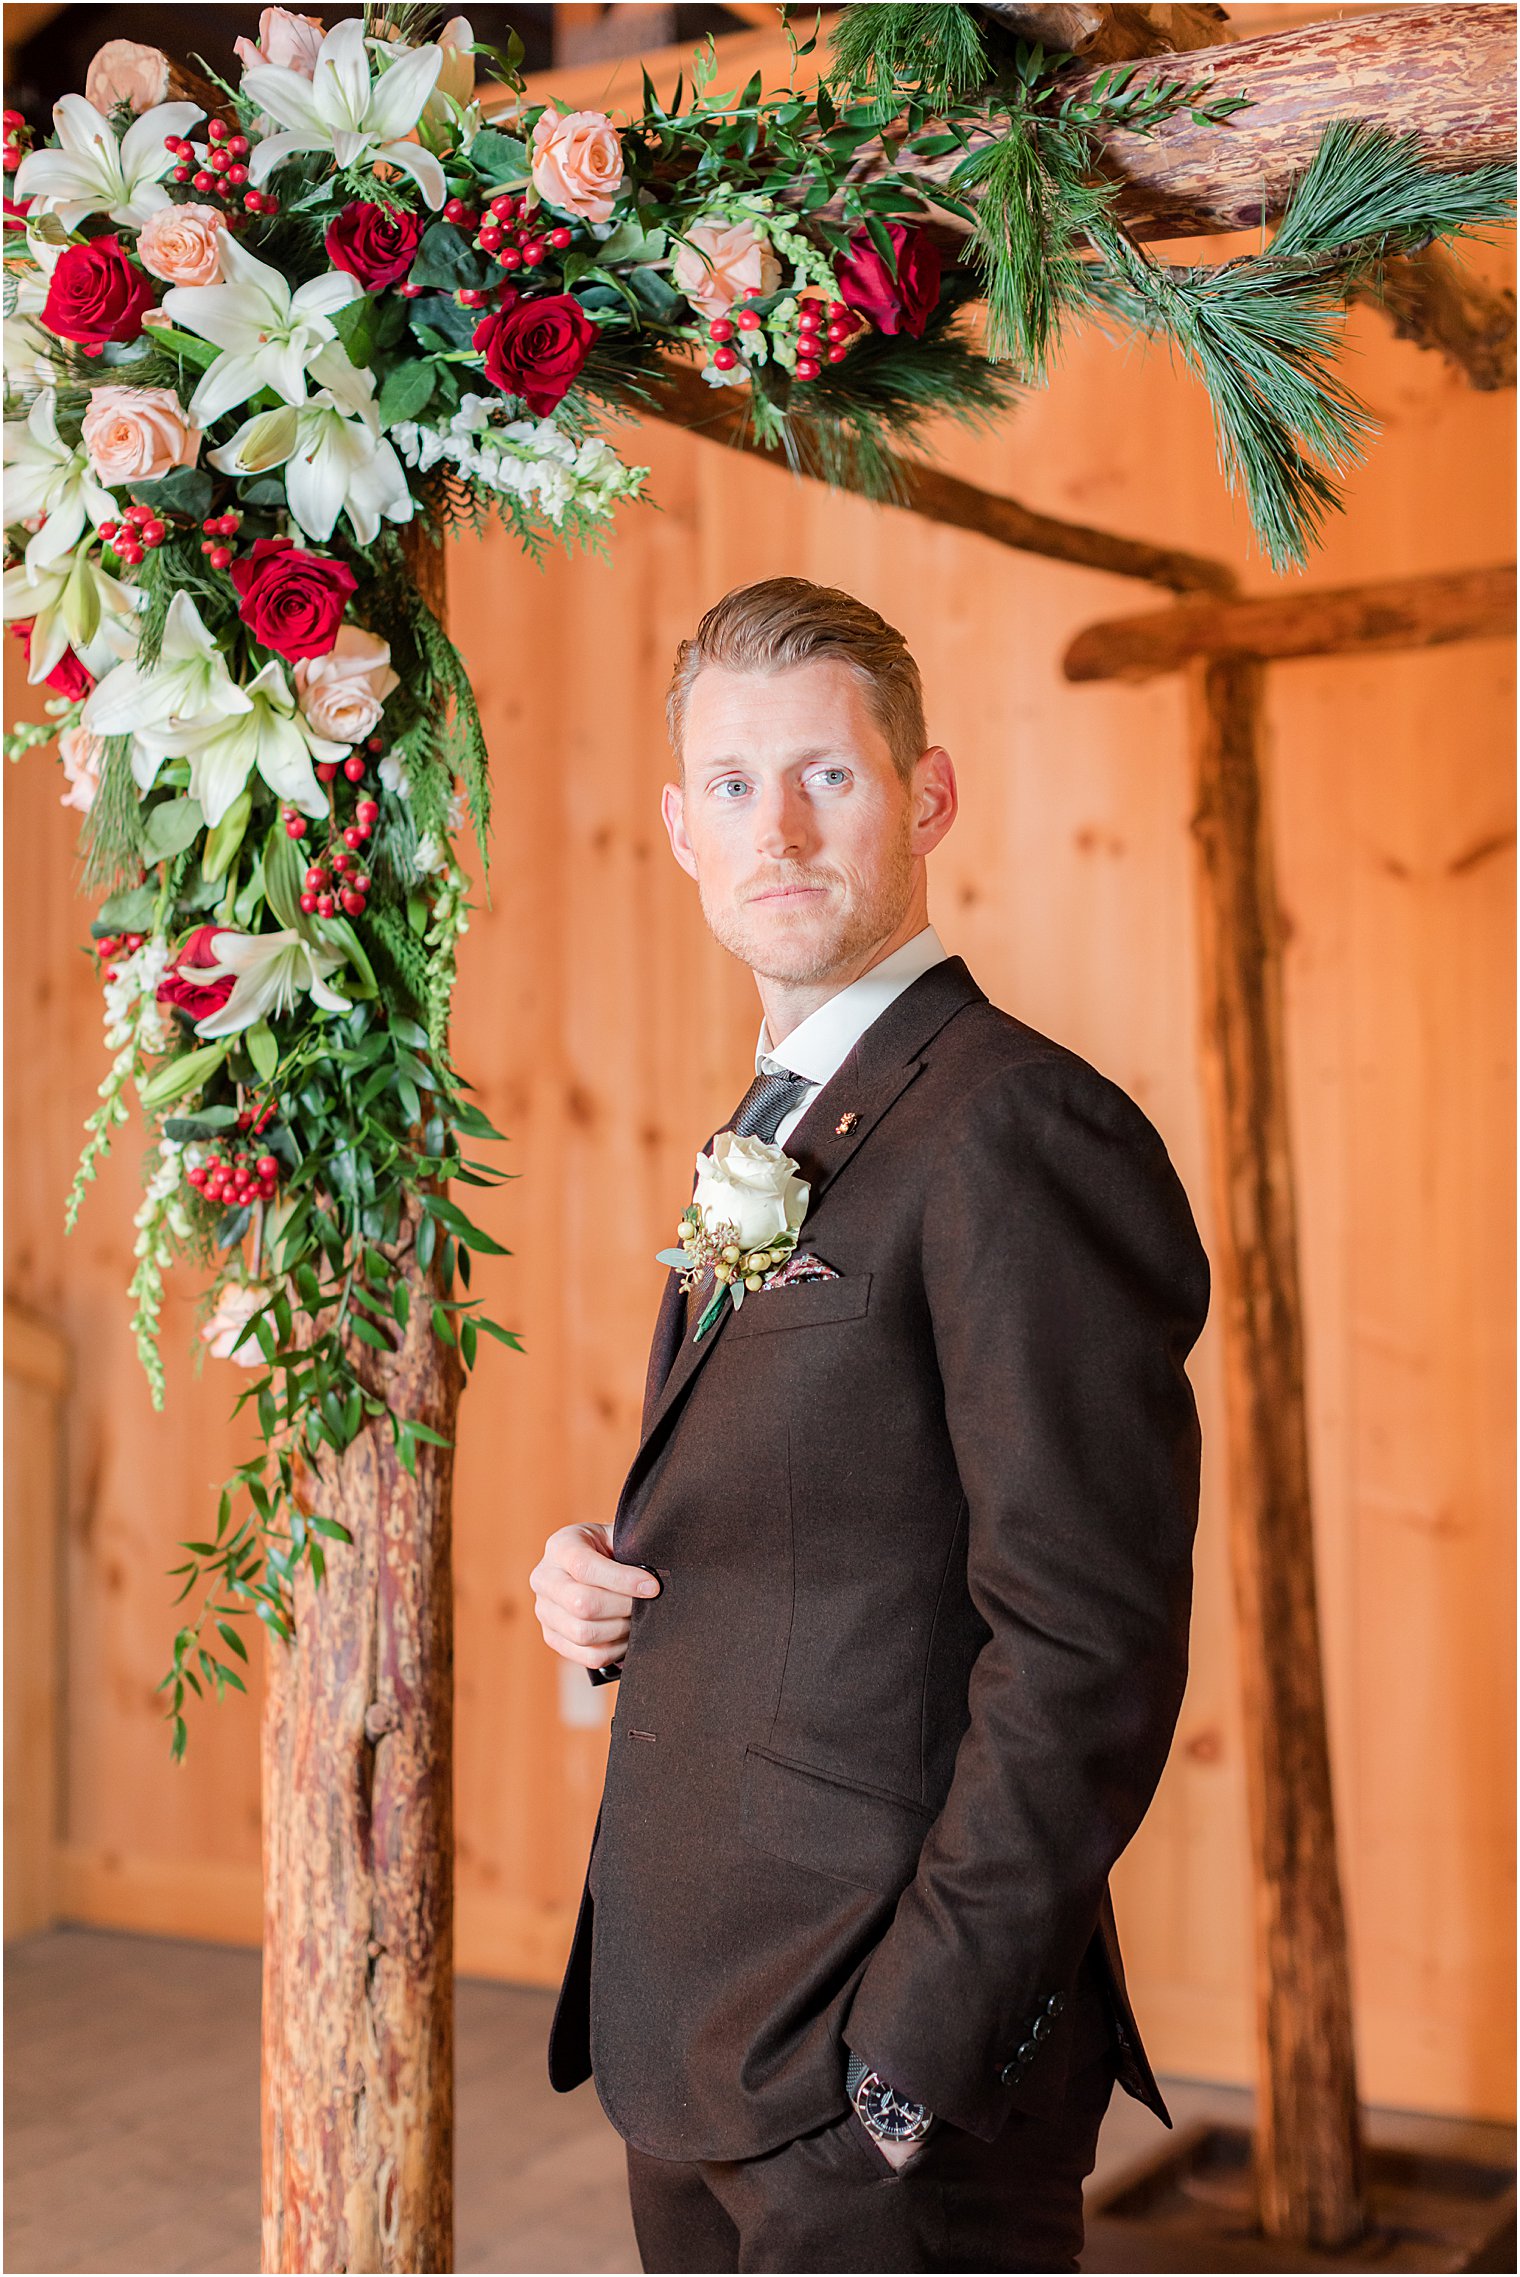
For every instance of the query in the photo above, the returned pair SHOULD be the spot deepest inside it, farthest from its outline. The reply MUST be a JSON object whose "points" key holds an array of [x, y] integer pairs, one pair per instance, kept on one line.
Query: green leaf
{"points": [[630, 241], [499, 157], [186, 491], [206, 1124], [449, 1214], [170, 827], [284, 868], [333, 1528], [356, 324], [446, 260], [407, 391], [467, 1342], [231, 1639], [443, 1327], [367, 1333], [128, 912], [227, 837], [339, 934], [262, 1049]]}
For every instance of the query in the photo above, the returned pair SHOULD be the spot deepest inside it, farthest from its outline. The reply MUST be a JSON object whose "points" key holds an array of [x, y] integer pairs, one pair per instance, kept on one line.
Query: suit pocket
{"points": [[854, 1833], [802, 1304]]}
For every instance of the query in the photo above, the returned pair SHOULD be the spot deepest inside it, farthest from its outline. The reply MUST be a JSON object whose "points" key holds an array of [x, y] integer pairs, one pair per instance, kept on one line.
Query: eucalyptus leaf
{"points": [[170, 827]]}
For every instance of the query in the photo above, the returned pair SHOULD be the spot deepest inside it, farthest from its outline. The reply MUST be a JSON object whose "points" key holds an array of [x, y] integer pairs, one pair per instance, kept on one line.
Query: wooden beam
{"points": [[1400, 612], [686, 400], [1447, 70], [1431, 299], [1104, 34], [1308, 2147]]}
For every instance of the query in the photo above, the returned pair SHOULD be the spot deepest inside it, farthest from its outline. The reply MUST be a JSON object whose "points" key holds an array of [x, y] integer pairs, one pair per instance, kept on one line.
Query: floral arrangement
{"points": [[264, 344]]}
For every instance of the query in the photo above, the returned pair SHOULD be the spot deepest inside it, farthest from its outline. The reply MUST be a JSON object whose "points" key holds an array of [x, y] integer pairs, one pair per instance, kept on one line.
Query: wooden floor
{"points": [[132, 2123]]}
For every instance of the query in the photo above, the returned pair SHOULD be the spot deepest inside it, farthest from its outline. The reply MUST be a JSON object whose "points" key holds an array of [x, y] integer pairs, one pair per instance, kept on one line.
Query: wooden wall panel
{"points": [[608, 1033]]}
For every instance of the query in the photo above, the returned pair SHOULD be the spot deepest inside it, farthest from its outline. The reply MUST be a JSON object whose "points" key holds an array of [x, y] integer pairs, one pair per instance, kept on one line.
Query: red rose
{"points": [[198, 998], [96, 294], [293, 602], [375, 246], [903, 303], [534, 348], [69, 676]]}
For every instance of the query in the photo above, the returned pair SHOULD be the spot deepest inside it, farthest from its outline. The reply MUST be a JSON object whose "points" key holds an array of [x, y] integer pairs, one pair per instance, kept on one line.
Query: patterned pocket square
{"points": [[803, 1267]]}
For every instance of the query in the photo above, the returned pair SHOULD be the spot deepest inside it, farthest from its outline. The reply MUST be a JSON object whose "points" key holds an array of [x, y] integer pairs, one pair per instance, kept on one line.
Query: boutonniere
{"points": [[743, 1221]]}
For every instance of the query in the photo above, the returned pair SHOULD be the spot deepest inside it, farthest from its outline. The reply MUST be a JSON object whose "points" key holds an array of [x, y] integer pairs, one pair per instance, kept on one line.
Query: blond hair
{"points": [[785, 621]]}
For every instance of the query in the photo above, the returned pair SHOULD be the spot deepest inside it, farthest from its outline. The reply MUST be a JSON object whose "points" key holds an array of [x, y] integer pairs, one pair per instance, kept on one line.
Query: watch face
{"points": [[887, 2113]]}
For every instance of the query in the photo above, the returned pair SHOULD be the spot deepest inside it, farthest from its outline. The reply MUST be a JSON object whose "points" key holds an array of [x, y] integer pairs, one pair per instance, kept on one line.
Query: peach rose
{"points": [[720, 265], [290, 41], [235, 1307], [577, 162], [342, 693], [124, 71], [136, 434], [182, 245], [81, 753]]}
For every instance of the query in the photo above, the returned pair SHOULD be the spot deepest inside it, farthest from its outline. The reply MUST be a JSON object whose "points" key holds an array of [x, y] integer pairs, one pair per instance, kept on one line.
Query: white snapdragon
{"points": [[529, 459], [133, 1015]]}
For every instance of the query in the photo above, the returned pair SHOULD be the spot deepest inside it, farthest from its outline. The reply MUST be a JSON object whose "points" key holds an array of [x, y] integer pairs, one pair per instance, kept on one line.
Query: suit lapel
{"points": [[858, 1095]]}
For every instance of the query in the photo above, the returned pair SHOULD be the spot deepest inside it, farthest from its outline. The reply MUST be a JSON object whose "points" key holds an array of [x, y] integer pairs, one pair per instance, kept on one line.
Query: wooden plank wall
{"points": [[607, 1034]]}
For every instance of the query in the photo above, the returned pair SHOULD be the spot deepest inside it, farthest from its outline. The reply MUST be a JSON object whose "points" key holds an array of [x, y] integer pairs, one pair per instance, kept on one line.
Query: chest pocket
{"points": [[804, 1304]]}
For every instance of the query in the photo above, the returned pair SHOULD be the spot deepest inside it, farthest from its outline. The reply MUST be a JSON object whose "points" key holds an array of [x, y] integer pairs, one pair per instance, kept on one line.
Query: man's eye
{"points": [[832, 776], [729, 783]]}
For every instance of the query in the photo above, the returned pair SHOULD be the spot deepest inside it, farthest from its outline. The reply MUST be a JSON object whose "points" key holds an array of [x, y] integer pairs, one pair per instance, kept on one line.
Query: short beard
{"points": [[806, 961]]}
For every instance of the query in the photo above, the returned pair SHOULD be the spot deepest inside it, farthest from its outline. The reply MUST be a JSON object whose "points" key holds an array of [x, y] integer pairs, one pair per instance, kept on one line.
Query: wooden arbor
{"points": [[358, 2087]]}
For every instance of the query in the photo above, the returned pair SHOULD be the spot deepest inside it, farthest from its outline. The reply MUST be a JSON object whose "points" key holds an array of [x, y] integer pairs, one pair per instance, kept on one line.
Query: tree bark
{"points": [[1310, 2190], [358, 1808], [1397, 612], [1447, 70], [358, 2021]]}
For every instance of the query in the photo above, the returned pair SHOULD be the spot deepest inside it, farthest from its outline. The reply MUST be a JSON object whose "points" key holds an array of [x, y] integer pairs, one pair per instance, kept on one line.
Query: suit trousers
{"points": [[830, 2200]]}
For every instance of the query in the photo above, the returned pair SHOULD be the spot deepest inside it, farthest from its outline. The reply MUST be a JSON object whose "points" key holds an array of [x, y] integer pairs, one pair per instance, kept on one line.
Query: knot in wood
{"points": [[380, 1717]]}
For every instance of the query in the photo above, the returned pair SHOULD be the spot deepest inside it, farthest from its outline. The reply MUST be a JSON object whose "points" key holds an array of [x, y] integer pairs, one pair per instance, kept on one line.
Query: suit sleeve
{"points": [[1066, 1285]]}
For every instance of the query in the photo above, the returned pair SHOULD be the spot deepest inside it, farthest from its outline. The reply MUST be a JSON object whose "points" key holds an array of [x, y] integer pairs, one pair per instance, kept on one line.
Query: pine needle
{"points": [[880, 48], [1035, 208], [1366, 183]]}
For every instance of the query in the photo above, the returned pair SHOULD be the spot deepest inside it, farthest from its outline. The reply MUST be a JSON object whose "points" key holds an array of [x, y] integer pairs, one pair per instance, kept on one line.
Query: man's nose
{"points": [[782, 824]]}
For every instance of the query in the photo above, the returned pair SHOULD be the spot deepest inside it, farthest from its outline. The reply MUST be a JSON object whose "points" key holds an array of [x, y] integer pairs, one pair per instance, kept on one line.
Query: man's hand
{"points": [[583, 1596], [899, 2154]]}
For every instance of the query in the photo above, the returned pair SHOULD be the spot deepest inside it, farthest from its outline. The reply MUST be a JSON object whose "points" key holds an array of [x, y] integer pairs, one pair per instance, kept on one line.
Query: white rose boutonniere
{"points": [[743, 1220]]}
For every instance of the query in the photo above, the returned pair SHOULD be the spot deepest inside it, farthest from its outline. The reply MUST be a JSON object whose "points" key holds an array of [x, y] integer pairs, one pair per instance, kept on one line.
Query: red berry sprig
{"points": [[116, 945], [138, 531], [18, 141], [232, 1179], [219, 528]]}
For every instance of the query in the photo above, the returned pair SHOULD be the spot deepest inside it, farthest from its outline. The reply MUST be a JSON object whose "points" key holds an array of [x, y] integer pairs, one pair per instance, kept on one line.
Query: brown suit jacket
{"points": [[924, 1535]]}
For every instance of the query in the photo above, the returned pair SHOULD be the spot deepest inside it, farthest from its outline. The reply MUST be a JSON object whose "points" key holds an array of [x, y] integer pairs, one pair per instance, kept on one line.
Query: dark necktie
{"points": [[759, 1114]]}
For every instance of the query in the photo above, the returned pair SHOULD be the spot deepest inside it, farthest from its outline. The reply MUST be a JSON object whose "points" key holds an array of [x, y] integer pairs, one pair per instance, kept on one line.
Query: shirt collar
{"points": [[819, 1045]]}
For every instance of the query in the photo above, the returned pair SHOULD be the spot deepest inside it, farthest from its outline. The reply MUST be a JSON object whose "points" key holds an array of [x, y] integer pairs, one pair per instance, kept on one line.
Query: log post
{"points": [[1308, 2147], [358, 1811]]}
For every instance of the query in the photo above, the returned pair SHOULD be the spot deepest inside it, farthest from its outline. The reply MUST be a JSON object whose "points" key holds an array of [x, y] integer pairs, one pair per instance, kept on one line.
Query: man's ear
{"points": [[673, 813], [935, 798]]}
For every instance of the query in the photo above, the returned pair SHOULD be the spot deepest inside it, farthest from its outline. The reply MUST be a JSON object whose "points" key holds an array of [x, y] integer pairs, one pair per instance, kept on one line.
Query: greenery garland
{"points": [[259, 346]]}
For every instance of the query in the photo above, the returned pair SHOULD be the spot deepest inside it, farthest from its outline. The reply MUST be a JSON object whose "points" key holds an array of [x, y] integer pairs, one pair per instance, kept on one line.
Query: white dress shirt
{"points": [[819, 1045]]}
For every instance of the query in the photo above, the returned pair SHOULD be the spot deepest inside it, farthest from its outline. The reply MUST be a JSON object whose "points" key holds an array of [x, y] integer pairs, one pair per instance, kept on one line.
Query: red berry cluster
{"points": [[239, 1177], [218, 529], [138, 531], [215, 171], [824, 329], [336, 878], [116, 945], [18, 140], [504, 232]]}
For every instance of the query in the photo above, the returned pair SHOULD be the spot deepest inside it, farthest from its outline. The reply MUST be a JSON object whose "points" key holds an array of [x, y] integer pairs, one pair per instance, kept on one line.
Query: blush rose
{"points": [[137, 434], [293, 42], [81, 753], [578, 162], [124, 71], [720, 265], [290, 600], [343, 693], [182, 244]]}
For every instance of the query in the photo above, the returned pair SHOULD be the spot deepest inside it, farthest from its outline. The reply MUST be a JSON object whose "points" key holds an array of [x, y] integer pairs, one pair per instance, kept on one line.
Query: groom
{"points": [[899, 1580]]}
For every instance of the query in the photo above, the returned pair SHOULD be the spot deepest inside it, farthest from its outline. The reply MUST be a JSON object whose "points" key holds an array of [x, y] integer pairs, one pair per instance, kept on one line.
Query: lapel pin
{"points": [[845, 1123]]}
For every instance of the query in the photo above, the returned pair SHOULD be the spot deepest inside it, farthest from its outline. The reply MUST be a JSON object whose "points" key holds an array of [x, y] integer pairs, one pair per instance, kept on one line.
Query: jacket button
{"points": [[1041, 2028], [1025, 2051], [1008, 2074], [1054, 2005]]}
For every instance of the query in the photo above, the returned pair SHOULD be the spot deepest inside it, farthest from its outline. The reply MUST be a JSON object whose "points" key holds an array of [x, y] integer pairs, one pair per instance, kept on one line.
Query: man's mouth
{"points": [[787, 893]]}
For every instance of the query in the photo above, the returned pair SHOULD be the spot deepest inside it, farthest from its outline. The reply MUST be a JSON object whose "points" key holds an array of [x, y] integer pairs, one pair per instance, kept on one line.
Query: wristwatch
{"points": [[891, 2117]]}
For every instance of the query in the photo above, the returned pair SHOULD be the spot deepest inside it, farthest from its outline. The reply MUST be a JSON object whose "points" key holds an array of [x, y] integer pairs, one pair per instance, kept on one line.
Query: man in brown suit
{"points": [[899, 1580]]}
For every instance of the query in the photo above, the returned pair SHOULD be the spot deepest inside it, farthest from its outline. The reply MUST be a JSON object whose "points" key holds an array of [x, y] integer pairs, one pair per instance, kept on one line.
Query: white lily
{"points": [[269, 335], [270, 970], [51, 478], [271, 738], [190, 684], [74, 605], [91, 172], [344, 110], [333, 464]]}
